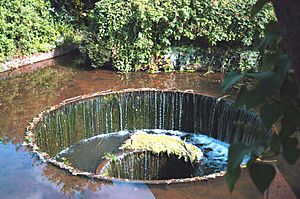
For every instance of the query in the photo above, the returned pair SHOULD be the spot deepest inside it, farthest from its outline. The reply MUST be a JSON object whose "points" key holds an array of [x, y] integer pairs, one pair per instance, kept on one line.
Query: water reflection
{"points": [[23, 97]]}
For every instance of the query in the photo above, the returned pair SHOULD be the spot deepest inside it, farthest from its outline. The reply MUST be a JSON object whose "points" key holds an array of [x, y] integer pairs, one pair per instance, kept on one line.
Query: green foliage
{"points": [[110, 157], [236, 155], [230, 79], [262, 175], [27, 27], [275, 92], [73, 11], [258, 6], [136, 34]]}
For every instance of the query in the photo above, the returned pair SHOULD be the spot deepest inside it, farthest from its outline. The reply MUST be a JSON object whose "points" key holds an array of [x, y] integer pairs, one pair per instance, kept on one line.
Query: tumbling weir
{"points": [[84, 134]]}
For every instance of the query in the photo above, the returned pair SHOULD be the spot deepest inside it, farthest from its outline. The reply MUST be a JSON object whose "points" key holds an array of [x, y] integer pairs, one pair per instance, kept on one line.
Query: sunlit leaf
{"points": [[262, 175]]}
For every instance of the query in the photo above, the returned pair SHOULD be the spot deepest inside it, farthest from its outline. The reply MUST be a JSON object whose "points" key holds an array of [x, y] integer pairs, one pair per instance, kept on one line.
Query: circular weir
{"points": [[146, 135]]}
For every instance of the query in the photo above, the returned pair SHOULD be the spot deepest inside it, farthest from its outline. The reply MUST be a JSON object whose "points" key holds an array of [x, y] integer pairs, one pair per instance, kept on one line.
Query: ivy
{"points": [[29, 26], [136, 34]]}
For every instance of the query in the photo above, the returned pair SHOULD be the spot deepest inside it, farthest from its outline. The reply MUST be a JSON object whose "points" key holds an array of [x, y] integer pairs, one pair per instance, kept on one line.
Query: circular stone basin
{"points": [[145, 165], [76, 134]]}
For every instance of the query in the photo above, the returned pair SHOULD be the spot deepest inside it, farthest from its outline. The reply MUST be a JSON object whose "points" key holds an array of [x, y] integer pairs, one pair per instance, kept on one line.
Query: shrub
{"points": [[27, 27], [72, 11], [136, 34]]}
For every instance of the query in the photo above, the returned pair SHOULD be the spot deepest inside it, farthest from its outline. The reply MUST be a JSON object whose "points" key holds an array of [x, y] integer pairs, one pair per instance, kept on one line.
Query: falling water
{"points": [[149, 109], [146, 109]]}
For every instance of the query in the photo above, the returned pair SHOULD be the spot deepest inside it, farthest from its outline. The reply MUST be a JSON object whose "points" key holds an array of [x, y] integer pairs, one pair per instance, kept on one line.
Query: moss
{"points": [[111, 157], [162, 144]]}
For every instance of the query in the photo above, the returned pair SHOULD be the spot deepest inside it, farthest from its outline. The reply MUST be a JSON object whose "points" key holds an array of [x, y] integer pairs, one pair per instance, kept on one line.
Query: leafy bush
{"points": [[27, 27], [136, 34], [72, 11]]}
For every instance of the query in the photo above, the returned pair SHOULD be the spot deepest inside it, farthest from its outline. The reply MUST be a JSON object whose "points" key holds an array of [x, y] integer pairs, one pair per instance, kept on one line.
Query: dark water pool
{"points": [[22, 175]]}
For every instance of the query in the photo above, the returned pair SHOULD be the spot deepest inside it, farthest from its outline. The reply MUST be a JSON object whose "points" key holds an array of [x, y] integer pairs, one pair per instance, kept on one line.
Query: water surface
{"points": [[24, 97]]}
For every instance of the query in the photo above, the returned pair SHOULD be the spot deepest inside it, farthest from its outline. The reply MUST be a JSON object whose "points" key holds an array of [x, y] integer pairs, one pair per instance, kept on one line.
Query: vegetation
{"points": [[215, 58], [136, 34], [274, 91], [28, 26], [162, 144], [73, 11], [141, 35]]}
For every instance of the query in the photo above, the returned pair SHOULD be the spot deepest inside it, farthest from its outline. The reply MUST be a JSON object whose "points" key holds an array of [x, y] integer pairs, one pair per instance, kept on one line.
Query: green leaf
{"points": [[288, 91], [283, 64], [240, 97], [287, 128], [264, 43], [258, 6], [272, 34], [262, 175], [290, 151], [291, 156], [232, 177], [270, 84], [236, 155], [270, 113], [273, 28], [260, 75], [292, 114], [275, 144], [268, 62], [289, 143], [230, 79], [249, 98]]}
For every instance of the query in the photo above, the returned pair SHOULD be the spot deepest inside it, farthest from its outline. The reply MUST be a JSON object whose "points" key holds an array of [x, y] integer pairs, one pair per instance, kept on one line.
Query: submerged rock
{"points": [[158, 144]]}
